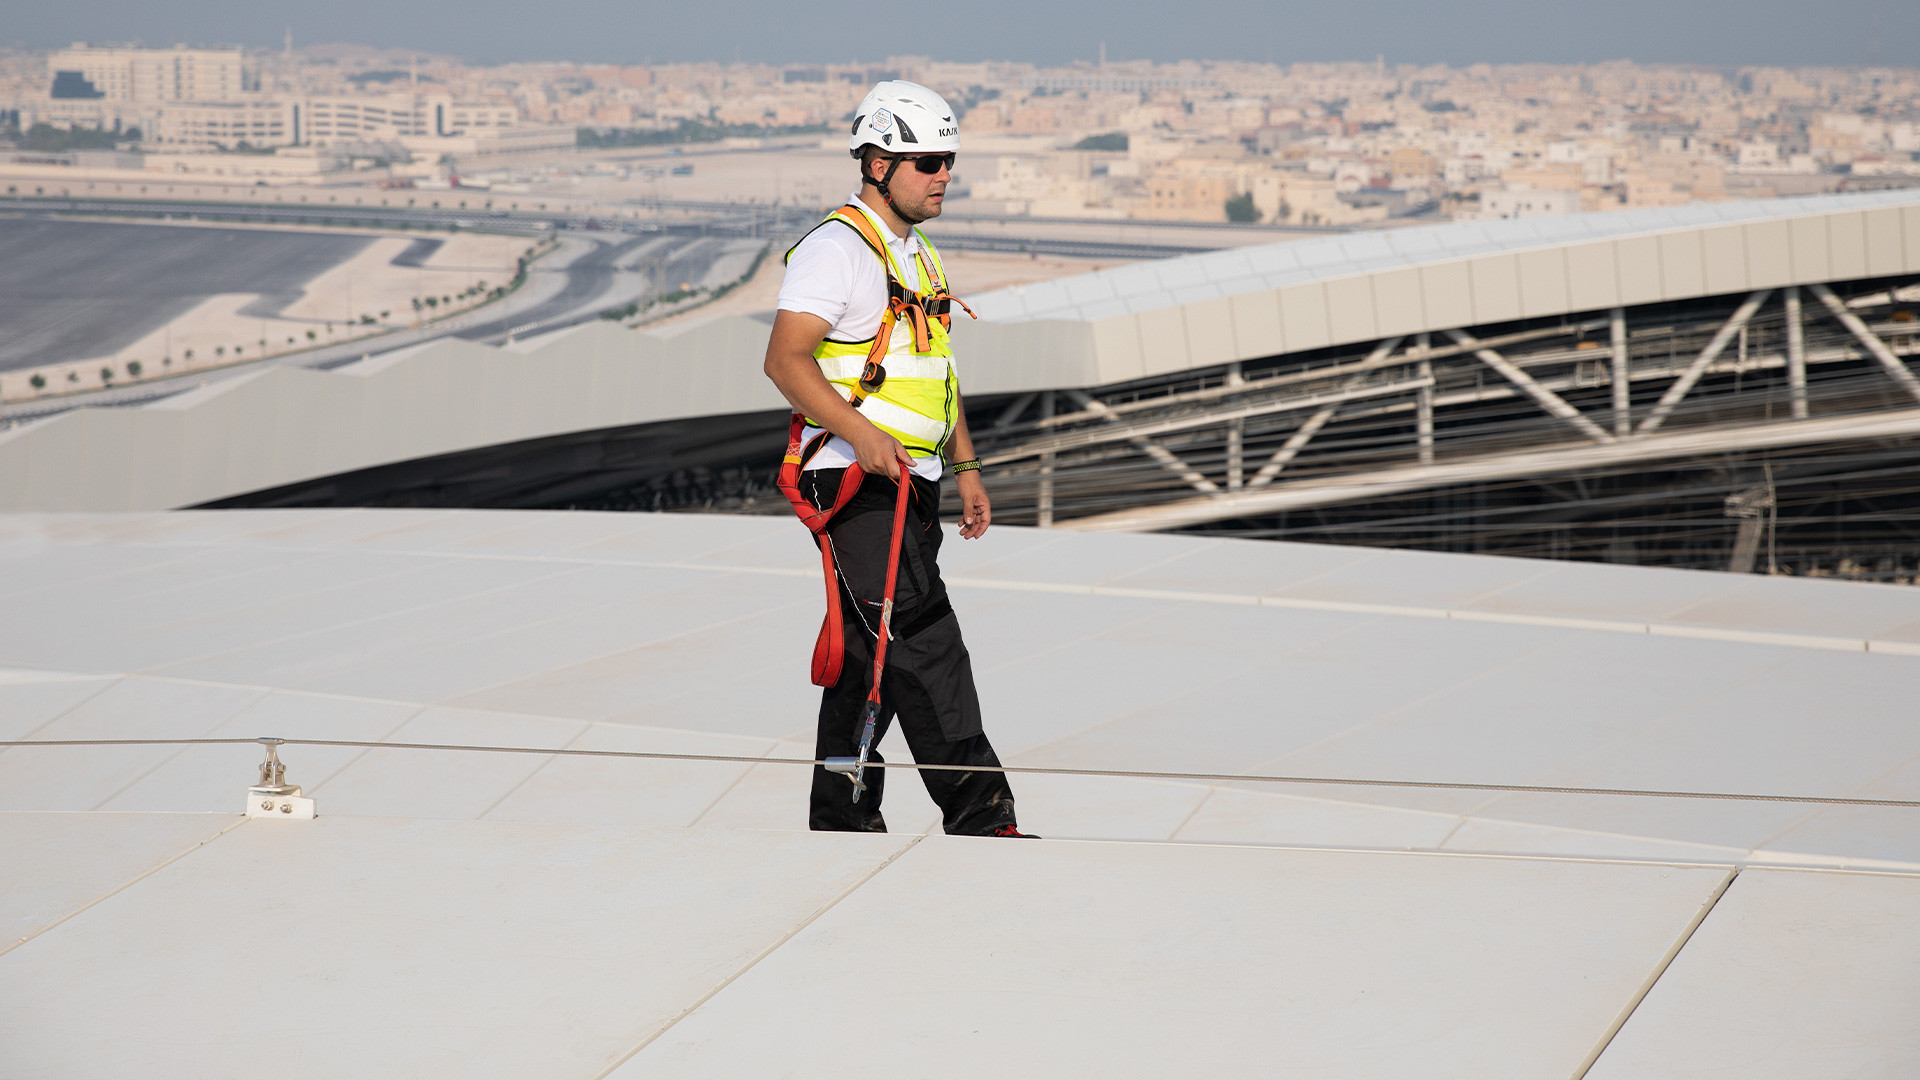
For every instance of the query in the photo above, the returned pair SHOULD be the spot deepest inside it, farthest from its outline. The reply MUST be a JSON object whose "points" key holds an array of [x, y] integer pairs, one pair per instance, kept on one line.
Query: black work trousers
{"points": [[929, 677]]}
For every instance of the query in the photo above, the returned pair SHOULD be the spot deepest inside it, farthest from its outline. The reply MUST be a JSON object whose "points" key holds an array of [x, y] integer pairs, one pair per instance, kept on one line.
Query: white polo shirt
{"points": [[834, 274]]}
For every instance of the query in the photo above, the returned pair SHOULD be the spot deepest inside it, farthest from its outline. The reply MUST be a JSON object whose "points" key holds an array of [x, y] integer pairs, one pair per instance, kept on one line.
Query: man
{"points": [[859, 347]]}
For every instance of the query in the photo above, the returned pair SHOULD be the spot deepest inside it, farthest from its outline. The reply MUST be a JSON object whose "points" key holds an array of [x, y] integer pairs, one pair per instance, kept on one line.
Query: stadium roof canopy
{"points": [[522, 913], [1719, 254], [285, 425]]}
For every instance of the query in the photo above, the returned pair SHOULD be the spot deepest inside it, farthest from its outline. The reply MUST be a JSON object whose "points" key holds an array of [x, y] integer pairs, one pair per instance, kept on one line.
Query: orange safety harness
{"points": [[829, 649]]}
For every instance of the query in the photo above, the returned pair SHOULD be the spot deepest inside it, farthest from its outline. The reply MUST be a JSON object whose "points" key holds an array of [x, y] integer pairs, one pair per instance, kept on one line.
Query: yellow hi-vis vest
{"points": [[904, 384]]}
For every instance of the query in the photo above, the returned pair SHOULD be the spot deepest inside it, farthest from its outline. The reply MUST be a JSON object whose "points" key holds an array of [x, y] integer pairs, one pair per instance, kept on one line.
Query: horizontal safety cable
{"points": [[1139, 774]]}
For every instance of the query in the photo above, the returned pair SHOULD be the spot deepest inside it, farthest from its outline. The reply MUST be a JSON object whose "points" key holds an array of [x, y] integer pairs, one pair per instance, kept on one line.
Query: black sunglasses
{"points": [[931, 164]]}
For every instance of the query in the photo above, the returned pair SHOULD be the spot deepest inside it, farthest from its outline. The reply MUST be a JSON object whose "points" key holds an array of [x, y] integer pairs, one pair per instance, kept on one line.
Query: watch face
{"points": [[882, 121]]}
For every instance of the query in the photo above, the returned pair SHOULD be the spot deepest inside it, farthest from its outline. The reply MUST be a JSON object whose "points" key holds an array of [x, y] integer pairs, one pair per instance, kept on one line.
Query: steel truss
{"points": [[1624, 388]]}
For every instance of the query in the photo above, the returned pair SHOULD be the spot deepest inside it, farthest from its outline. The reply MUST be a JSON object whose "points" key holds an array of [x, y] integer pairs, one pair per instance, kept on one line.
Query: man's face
{"points": [[916, 194]]}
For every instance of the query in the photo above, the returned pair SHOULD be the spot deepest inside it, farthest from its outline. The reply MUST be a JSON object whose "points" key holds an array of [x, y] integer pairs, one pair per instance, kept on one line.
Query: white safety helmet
{"points": [[904, 118]]}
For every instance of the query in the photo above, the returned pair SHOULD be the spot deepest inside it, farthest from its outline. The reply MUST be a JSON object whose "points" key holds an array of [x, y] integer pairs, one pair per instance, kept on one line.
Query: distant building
{"points": [[395, 116], [201, 99], [129, 73], [1528, 202], [261, 122]]}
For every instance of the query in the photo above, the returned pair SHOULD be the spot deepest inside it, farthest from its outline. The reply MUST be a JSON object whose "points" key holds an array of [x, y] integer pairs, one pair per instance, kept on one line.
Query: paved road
{"points": [[588, 274], [589, 278], [71, 289], [550, 277]]}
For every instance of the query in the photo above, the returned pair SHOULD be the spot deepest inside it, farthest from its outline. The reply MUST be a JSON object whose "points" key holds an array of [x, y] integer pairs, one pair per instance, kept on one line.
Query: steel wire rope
{"points": [[1031, 770]]}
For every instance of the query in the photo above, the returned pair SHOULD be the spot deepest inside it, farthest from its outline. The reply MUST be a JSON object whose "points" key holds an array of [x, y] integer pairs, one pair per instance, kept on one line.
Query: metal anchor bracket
{"points": [[855, 768], [273, 796]]}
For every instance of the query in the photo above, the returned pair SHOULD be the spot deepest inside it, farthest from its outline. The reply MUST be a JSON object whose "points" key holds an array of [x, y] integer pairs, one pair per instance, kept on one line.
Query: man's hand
{"points": [[879, 453], [976, 512]]}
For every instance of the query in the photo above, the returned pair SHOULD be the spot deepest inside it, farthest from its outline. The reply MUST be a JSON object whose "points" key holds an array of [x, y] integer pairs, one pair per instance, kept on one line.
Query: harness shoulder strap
{"points": [[858, 221], [930, 266], [899, 300]]}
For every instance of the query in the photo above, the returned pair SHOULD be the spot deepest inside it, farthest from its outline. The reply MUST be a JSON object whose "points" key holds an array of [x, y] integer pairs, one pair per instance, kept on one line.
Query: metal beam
{"points": [[1382, 351], [1423, 404], [1166, 458], [1236, 436], [1375, 360], [1174, 464], [1351, 488], [1013, 411], [1796, 354], [1075, 440], [1380, 357], [1622, 385], [1546, 398], [1291, 448], [1671, 399], [1044, 497], [1901, 374], [1502, 392]]}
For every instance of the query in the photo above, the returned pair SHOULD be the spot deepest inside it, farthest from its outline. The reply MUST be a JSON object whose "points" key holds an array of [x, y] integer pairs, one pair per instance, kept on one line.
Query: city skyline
{"points": [[1718, 33]]}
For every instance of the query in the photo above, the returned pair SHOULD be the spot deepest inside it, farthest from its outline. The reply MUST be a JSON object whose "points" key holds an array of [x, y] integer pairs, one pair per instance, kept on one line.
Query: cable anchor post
{"points": [[273, 796]]}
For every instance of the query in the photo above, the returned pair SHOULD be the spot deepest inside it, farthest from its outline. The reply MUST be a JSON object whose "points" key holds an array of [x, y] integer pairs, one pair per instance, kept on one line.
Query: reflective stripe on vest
{"points": [[899, 366], [911, 428], [918, 401]]}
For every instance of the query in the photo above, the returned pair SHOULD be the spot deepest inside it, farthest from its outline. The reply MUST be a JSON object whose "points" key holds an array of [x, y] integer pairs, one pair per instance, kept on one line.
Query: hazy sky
{"points": [[1718, 32]]}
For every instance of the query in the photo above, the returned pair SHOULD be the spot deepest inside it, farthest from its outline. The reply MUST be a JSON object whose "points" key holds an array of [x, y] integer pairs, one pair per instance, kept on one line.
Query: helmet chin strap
{"points": [[892, 167]]}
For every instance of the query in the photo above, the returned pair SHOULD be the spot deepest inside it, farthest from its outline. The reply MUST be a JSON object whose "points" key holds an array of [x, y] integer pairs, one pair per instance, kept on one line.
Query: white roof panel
{"points": [[1531, 972], [488, 913], [55, 865], [1790, 977], [379, 948]]}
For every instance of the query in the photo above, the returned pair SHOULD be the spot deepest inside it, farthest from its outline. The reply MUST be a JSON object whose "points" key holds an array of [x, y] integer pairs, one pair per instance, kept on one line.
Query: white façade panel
{"points": [[1397, 301], [1592, 280], [1448, 295], [1070, 958], [1639, 259], [1724, 259], [1116, 349], [1350, 314], [1847, 237], [1812, 260], [1163, 340], [472, 949], [1303, 316], [1794, 974], [157, 468], [1543, 282], [37, 464], [1496, 289], [1680, 271], [1884, 256], [1209, 326], [1769, 254], [1256, 323], [1910, 227]]}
